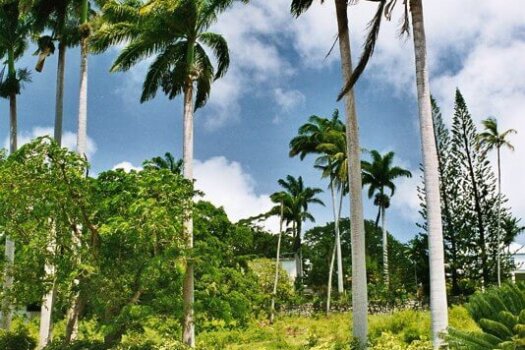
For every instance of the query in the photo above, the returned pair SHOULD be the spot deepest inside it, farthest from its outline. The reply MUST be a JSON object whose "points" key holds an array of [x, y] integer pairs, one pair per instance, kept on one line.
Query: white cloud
{"points": [[69, 139], [287, 101], [405, 200], [225, 183], [126, 166]]}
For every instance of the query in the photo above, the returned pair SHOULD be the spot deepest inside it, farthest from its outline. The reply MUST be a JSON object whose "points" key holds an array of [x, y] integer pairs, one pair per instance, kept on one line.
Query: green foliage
{"points": [[16, 340], [500, 314], [76, 345], [389, 342]]}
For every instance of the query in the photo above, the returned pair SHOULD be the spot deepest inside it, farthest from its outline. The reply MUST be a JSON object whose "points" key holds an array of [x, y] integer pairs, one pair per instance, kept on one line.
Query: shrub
{"points": [[19, 340], [387, 341], [500, 314]]}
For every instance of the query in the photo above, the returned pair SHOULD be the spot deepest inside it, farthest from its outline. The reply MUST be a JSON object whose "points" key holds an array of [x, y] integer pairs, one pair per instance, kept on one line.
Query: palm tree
{"points": [[175, 32], [379, 175], [492, 139], [60, 17], [85, 32], [414, 8], [14, 30], [359, 284], [295, 200], [168, 162], [311, 136]]}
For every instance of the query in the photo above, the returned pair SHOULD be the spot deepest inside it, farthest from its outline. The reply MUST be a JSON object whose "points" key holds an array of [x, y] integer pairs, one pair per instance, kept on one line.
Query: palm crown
{"points": [[174, 31], [491, 137]]}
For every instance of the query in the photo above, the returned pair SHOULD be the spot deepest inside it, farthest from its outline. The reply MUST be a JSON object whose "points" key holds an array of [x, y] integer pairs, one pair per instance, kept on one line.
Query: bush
{"points": [[19, 340], [387, 341]]}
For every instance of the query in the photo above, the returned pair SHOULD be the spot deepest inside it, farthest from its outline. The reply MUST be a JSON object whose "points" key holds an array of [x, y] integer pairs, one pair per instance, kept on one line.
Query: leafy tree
{"points": [[493, 139], [167, 162], [14, 29], [176, 33], [379, 175]]}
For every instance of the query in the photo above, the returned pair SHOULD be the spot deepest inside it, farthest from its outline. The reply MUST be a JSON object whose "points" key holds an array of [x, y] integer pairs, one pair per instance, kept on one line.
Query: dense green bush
{"points": [[76, 345], [500, 314], [19, 340]]}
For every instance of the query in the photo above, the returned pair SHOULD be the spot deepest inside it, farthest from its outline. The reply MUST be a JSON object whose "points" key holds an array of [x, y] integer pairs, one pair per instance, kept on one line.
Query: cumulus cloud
{"points": [[126, 166], [69, 139], [225, 183], [287, 101]]}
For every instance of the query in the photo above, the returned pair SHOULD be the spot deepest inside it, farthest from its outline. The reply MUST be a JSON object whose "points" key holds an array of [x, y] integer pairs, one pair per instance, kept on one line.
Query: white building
{"points": [[518, 255]]}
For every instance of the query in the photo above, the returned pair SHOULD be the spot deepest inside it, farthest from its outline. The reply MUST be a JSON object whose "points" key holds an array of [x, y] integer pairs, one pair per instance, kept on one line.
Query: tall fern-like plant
{"points": [[500, 314]]}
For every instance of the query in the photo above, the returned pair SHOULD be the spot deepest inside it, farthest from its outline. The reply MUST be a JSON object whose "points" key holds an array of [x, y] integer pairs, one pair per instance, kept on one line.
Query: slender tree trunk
{"points": [[277, 266], [48, 300], [7, 307], [330, 274], [386, 277], [59, 107], [438, 292], [378, 216], [340, 286], [359, 284], [82, 108], [498, 232], [188, 326]]}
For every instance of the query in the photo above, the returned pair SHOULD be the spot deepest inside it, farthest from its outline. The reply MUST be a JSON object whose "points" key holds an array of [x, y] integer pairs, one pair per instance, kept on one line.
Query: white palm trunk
{"points": [[357, 229], [340, 286], [438, 292], [498, 228], [83, 97], [188, 326], [277, 266], [386, 276], [7, 307], [48, 300], [329, 285]]}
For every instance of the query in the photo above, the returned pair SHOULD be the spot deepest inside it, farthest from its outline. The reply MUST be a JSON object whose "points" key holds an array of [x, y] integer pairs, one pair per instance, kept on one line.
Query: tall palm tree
{"points": [[414, 10], [61, 17], [175, 32], [310, 137], [359, 284], [379, 175], [295, 199], [85, 32], [492, 139], [14, 30]]}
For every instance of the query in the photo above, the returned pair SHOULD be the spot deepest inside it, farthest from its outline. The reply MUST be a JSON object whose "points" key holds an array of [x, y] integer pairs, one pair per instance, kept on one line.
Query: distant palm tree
{"points": [[379, 175], [311, 136], [175, 33], [295, 200], [357, 229], [492, 139], [14, 31], [167, 162]]}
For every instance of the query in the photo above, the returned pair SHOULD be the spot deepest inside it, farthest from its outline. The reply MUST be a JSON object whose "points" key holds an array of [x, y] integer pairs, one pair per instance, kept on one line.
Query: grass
{"points": [[329, 332]]}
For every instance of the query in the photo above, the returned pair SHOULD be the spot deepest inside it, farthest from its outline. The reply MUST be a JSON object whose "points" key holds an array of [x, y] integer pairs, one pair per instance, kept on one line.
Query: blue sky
{"points": [[278, 77]]}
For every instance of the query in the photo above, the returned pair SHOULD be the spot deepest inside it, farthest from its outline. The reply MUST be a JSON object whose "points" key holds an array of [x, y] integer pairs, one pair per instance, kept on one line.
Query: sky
{"points": [[278, 77]]}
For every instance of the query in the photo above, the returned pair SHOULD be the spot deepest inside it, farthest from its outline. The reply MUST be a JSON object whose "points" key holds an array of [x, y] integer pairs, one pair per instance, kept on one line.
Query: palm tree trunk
{"points": [[277, 262], [340, 287], [82, 108], [359, 286], [438, 292], [498, 232], [7, 307], [329, 285], [188, 327], [48, 300], [59, 108], [386, 277], [378, 216]]}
